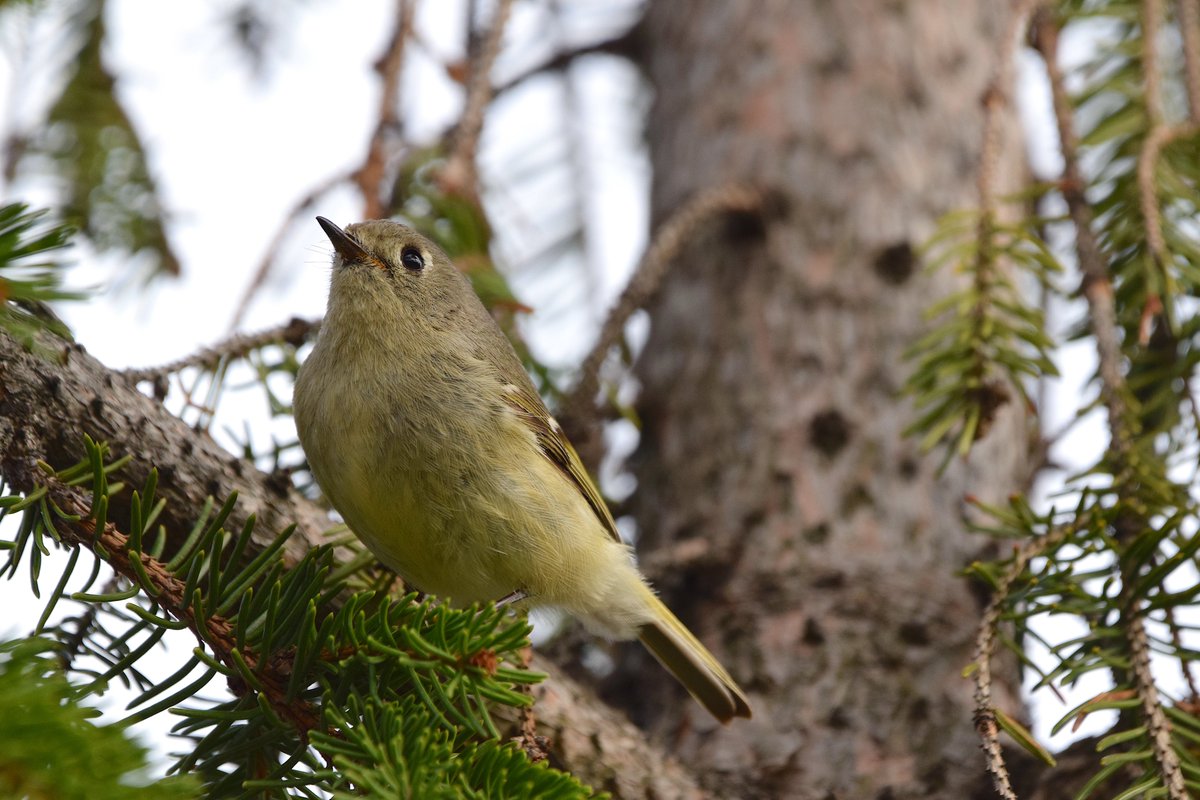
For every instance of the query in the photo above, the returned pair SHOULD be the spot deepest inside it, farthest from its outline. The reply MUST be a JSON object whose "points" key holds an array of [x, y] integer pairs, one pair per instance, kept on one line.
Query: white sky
{"points": [[232, 156]]}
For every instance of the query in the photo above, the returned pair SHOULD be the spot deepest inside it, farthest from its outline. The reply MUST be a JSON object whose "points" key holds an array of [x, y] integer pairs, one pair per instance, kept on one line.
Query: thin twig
{"points": [[995, 100], [535, 746], [1189, 28], [459, 175], [1097, 289], [985, 645], [295, 332], [1157, 724], [268, 259], [1152, 14], [1096, 285], [622, 46], [216, 631], [1185, 665], [1160, 136], [648, 276], [371, 177], [1152, 19], [583, 192]]}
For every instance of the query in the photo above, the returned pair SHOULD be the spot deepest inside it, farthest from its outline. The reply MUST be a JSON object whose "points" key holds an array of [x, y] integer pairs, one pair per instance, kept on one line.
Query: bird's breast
{"points": [[418, 459]]}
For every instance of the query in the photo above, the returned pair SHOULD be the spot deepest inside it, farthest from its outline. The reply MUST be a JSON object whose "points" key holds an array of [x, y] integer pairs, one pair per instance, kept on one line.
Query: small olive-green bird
{"points": [[423, 429]]}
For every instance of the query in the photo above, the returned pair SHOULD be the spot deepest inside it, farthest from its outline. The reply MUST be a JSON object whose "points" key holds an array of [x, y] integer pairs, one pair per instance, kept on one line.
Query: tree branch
{"points": [[623, 46], [1157, 724], [1152, 14], [459, 175], [1098, 290], [168, 591], [1096, 285], [985, 644], [295, 332], [995, 98], [45, 408], [578, 414], [1189, 28], [372, 175]]}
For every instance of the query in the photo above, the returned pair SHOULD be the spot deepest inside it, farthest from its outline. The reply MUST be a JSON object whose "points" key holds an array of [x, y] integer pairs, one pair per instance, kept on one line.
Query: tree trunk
{"points": [[810, 543]]}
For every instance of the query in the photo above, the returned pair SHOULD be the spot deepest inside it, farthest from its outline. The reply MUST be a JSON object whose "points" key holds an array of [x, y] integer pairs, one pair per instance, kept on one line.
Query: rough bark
{"points": [[48, 404], [809, 542]]}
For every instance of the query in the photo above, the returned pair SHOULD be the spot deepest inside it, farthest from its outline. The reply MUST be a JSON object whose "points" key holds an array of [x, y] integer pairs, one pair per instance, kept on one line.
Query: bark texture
{"points": [[809, 542], [48, 403]]}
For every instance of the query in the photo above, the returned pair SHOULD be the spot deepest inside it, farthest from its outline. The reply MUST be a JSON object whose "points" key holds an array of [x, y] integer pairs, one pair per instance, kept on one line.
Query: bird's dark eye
{"points": [[412, 259]]}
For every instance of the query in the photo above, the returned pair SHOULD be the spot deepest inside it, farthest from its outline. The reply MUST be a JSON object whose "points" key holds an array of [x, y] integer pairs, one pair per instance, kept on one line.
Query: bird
{"points": [[423, 429]]}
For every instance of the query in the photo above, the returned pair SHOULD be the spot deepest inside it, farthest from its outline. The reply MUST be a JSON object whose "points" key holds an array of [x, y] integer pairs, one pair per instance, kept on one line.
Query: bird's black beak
{"points": [[351, 251]]}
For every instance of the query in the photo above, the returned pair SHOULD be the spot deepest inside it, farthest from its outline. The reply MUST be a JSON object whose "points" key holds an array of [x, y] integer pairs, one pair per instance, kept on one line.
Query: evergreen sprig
{"points": [[51, 746], [1117, 548], [1093, 572], [305, 656], [1145, 185], [385, 752], [30, 276], [990, 341]]}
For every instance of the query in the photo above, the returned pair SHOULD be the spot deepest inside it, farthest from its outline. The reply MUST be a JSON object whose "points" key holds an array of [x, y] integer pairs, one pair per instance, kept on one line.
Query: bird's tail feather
{"points": [[692, 665]]}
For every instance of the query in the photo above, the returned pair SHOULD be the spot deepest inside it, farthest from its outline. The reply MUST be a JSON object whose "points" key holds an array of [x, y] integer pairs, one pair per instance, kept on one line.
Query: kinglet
{"points": [[425, 432]]}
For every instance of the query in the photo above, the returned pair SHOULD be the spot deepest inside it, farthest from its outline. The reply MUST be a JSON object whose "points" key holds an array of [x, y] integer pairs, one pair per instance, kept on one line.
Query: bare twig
{"points": [[1152, 14], [648, 276], [1160, 135], [1152, 19], [583, 192], [268, 259], [623, 46], [295, 332], [372, 175], [1157, 724], [1185, 665], [1189, 28], [985, 644], [995, 100], [1096, 285], [459, 175]]}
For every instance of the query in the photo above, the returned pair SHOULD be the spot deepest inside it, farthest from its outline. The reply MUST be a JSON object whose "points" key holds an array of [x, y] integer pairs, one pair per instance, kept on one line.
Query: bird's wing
{"points": [[554, 445]]}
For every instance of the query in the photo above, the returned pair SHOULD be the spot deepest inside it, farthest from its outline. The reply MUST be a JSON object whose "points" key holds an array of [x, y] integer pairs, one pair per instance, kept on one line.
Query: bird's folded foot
{"points": [[512, 597]]}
